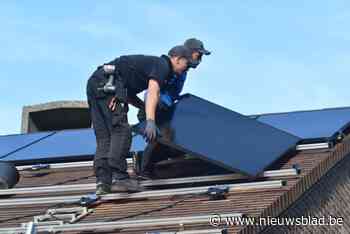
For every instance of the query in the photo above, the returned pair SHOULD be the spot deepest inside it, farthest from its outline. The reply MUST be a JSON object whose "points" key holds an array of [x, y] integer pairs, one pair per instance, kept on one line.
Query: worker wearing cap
{"points": [[175, 85], [168, 95], [130, 75]]}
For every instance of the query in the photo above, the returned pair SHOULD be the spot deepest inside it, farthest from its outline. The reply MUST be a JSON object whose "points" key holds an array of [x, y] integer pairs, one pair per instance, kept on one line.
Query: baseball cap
{"points": [[181, 51], [196, 45]]}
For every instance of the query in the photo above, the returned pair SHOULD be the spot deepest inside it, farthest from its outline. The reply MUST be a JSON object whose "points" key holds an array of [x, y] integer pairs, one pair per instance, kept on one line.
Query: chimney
{"points": [[53, 116]]}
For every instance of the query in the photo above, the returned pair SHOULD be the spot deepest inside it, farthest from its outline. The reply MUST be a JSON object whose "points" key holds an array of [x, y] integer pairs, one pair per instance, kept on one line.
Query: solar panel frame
{"points": [[227, 115]]}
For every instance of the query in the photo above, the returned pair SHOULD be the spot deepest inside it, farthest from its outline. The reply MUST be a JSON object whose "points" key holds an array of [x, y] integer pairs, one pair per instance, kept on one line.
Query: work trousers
{"points": [[113, 134]]}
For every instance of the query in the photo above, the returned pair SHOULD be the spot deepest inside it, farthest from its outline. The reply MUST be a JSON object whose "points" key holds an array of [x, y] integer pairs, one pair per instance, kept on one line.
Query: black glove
{"points": [[150, 132]]}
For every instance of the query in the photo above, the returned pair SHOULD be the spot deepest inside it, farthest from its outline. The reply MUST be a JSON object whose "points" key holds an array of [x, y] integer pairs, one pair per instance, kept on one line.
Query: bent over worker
{"points": [[108, 107], [169, 94]]}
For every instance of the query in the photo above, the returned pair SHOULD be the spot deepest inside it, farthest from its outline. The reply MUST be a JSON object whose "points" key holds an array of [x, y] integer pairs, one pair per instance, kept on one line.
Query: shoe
{"points": [[126, 185], [102, 188], [145, 176]]}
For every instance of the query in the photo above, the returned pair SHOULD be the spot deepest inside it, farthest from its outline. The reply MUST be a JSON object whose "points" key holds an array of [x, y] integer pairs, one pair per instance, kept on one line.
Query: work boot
{"points": [[102, 188], [145, 175], [126, 185]]}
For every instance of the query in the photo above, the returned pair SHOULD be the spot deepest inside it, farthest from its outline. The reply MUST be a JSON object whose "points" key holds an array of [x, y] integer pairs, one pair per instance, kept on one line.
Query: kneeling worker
{"points": [[109, 91]]}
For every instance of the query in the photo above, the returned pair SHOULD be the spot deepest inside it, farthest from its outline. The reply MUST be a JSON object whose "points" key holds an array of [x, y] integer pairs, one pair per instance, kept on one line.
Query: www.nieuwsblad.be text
{"points": [[218, 221]]}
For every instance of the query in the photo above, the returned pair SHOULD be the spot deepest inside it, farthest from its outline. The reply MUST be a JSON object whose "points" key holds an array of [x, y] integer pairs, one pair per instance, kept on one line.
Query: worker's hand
{"points": [[112, 104], [150, 132]]}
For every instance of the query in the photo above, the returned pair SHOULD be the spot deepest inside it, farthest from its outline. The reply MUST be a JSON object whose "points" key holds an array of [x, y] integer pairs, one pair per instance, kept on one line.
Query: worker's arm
{"points": [[136, 102], [151, 105], [152, 99]]}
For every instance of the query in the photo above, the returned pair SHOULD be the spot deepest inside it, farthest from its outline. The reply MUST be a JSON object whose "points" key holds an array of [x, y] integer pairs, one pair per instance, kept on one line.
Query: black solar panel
{"points": [[222, 136], [312, 125], [64, 146], [11, 143]]}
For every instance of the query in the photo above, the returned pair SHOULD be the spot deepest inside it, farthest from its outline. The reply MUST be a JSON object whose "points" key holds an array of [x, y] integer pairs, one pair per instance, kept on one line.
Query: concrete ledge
{"points": [[57, 115]]}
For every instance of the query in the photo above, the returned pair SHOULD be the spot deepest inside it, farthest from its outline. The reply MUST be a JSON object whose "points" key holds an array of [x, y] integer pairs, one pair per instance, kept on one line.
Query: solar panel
{"points": [[64, 146], [317, 125], [223, 137], [11, 143]]}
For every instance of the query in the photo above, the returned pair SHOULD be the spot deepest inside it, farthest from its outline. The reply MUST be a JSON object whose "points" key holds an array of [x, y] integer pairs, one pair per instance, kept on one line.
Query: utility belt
{"points": [[112, 84]]}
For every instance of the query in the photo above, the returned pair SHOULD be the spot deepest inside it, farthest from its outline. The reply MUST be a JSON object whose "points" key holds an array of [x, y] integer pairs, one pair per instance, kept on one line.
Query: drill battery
{"points": [[115, 84]]}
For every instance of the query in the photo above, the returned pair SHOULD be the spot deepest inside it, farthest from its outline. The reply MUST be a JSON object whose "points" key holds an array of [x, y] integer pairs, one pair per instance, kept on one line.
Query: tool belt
{"points": [[112, 84]]}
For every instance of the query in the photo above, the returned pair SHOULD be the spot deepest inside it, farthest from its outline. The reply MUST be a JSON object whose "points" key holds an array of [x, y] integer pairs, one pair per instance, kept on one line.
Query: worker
{"points": [[173, 89], [132, 74], [146, 160]]}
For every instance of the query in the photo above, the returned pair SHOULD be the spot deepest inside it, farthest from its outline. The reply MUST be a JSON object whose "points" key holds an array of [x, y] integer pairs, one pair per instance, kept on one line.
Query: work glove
{"points": [[150, 132], [165, 102]]}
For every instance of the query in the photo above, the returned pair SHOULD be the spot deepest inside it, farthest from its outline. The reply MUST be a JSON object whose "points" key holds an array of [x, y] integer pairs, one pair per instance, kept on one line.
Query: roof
{"points": [[250, 201], [203, 177]]}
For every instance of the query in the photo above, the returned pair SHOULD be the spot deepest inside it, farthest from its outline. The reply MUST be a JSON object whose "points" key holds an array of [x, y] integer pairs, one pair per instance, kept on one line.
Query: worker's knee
{"points": [[102, 147], [121, 138]]}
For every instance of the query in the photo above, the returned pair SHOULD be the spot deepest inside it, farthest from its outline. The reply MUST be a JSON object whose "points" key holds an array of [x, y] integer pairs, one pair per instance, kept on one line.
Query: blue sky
{"points": [[268, 56]]}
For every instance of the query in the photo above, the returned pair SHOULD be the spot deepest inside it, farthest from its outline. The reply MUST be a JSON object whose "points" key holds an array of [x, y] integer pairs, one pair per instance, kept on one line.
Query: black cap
{"points": [[196, 45], [180, 51]]}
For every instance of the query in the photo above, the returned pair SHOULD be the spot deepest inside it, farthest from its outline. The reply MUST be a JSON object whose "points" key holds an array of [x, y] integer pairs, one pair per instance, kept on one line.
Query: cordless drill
{"points": [[109, 87], [114, 85]]}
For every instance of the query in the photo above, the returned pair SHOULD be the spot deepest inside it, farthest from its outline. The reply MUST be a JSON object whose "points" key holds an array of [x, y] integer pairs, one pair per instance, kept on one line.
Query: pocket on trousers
{"points": [[119, 119]]}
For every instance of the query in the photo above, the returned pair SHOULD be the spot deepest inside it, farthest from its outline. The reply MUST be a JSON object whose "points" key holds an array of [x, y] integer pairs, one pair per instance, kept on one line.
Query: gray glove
{"points": [[150, 132]]}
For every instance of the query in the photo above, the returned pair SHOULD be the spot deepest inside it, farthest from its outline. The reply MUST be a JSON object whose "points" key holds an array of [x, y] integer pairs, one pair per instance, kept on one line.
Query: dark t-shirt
{"points": [[137, 70]]}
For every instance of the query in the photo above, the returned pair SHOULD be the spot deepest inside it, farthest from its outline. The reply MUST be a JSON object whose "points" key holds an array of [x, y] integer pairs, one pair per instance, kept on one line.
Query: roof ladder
{"points": [[66, 215], [129, 224]]}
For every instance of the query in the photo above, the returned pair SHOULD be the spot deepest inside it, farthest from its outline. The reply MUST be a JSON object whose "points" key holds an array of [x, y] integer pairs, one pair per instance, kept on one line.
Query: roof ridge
{"points": [[299, 111]]}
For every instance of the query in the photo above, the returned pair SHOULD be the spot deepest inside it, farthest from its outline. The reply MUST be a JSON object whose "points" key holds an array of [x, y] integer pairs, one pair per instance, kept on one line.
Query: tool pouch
{"points": [[120, 115]]}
